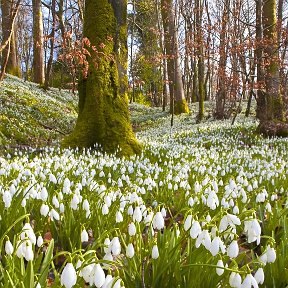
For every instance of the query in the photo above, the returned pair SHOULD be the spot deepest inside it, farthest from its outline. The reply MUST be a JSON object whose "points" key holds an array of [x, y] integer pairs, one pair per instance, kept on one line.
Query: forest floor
{"points": [[204, 205]]}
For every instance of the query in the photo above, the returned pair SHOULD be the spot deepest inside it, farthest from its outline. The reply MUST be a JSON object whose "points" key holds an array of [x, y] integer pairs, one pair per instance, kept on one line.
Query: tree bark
{"points": [[178, 104], [103, 103], [272, 121], [9, 53], [38, 52]]}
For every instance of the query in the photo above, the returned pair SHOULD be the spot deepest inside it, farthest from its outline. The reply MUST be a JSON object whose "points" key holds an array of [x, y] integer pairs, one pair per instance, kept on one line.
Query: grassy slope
{"points": [[34, 117], [31, 116]]}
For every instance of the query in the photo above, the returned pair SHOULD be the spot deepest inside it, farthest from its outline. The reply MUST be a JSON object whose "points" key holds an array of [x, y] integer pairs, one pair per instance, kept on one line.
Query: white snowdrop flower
{"points": [[38, 285], [208, 218], [268, 207], [188, 222], [86, 205], [249, 282], [9, 249], [61, 208], [107, 257], [206, 239], [235, 210], [137, 215], [263, 258], [23, 202], [28, 251], [155, 252], [86, 273], [117, 284], [115, 246], [84, 236], [148, 219], [220, 271], [66, 186], [54, 215], [119, 217], [101, 174], [27, 232], [191, 202], [163, 212], [55, 202], [68, 276], [108, 281], [19, 249], [259, 276], [105, 209], [40, 241], [130, 250], [195, 229], [107, 200], [44, 210], [44, 194], [52, 178], [130, 210], [107, 246], [215, 246], [255, 184], [7, 199], [99, 275], [158, 221], [233, 249], [271, 254], [235, 280], [170, 186], [132, 229], [253, 230], [74, 202]]}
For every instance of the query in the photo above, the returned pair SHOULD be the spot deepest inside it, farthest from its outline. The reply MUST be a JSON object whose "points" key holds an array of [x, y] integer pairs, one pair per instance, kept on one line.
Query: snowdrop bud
{"points": [[188, 222], [132, 229], [233, 249], [249, 282], [105, 209], [9, 249], [99, 276], [44, 194], [52, 178], [44, 210], [130, 250], [54, 215], [107, 247], [163, 212], [137, 214], [220, 271], [271, 255], [259, 276], [116, 247], [61, 208], [28, 251], [68, 276], [195, 230], [215, 246], [108, 281], [39, 241], [158, 221], [235, 280], [84, 236], [119, 217], [155, 252]]}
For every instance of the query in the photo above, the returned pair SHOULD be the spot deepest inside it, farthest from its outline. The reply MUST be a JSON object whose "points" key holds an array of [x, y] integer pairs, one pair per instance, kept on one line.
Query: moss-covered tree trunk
{"points": [[103, 103], [174, 65], [270, 103]]}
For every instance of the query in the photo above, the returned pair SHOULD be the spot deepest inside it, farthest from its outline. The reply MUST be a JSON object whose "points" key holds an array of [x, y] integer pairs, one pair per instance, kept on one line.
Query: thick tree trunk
{"points": [[9, 53], [178, 104], [103, 103], [38, 52], [272, 122]]}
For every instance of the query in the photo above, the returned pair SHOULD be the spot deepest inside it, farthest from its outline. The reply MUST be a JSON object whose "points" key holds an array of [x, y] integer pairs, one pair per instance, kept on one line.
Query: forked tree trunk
{"points": [[38, 52], [103, 103]]}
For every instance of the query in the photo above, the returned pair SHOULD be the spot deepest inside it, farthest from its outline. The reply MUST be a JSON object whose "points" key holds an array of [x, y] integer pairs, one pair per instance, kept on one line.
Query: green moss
{"points": [[181, 107]]}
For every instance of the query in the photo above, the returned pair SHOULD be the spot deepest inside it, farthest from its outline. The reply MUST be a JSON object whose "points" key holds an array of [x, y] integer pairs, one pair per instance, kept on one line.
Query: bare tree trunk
{"points": [[9, 52], [52, 41], [174, 68], [38, 57]]}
